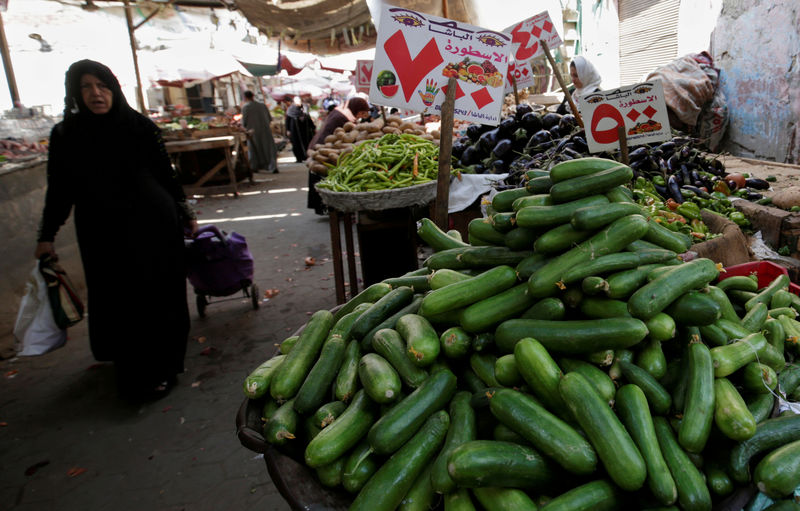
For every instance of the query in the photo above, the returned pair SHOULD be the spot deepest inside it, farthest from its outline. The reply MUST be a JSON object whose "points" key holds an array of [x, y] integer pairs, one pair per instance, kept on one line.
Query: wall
{"points": [[600, 39], [756, 44], [22, 190]]}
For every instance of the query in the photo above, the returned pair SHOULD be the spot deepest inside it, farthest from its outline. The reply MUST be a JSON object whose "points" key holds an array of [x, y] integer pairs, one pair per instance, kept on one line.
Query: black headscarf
{"points": [[75, 110]]}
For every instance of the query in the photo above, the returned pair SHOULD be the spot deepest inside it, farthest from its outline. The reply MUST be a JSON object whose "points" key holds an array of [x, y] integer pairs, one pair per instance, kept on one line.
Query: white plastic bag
{"points": [[35, 327]]}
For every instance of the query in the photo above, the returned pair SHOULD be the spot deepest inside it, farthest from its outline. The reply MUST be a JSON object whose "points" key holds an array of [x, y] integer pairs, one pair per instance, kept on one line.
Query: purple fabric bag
{"points": [[219, 264]]}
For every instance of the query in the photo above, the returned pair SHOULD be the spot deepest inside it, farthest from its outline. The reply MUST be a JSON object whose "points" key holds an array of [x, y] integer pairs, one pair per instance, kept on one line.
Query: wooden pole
{"points": [[10, 78], [261, 88], [445, 151], [139, 92], [516, 94], [623, 145], [561, 83], [444, 9]]}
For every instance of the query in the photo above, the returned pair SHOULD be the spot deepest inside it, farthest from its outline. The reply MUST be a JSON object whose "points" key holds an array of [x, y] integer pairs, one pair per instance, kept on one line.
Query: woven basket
{"points": [[349, 202]]}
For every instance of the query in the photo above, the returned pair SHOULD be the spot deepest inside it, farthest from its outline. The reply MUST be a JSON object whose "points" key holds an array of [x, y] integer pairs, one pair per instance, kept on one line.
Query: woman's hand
{"points": [[43, 248], [192, 225]]}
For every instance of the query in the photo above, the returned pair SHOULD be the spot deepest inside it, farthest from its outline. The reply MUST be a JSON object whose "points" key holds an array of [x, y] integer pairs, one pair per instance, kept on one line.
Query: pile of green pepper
{"points": [[392, 161]]}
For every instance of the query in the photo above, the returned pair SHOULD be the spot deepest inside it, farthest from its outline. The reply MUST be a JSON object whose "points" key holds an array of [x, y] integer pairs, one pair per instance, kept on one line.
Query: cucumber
{"points": [[731, 415], [436, 238], [422, 341], [491, 463], [596, 496], [601, 265], [740, 282], [654, 296], [560, 238], [371, 294], [503, 221], [693, 494], [520, 238], [718, 480], [770, 434], [361, 464], [782, 311], [760, 405], [379, 379], [694, 308], [537, 217], [651, 358], [623, 283], [343, 433], [592, 286], [732, 357], [778, 474], [572, 336], [541, 373], [538, 185], [420, 496], [754, 319], [781, 282], [530, 264], [458, 500], [282, 424], [613, 443], [611, 239], [780, 299], [789, 379], [542, 199], [390, 322], [465, 293], [462, 429], [417, 283], [759, 378], [550, 308], [385, 490], [698, 411], [444, 277], [287, 344], [594, 307], [257, 382], [488, 257], [330, 475], [580, 167], [598, 182], [400, 423], [632, 408], [391, 346], [346, 383], [506, 372], [503, 201], [659, 255], [713, 335], [290, 375], [485, 314], [661, 327], [450, 258], [665, 238], [547, 433], [615, 372], [482, 342], [620, 194], [783, 505], [595, 217], [503, 499], [387, 305], [327, 413], [455, 342], [740, 297], [503, 433], [483, 365], [600, 380], [316, 387], [660, 400], [733, 329], [482, 228], [572, 296]]}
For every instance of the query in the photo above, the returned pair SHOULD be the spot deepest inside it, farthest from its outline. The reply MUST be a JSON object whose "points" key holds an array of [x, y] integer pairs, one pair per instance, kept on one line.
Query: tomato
{"points": [[738, 179]]}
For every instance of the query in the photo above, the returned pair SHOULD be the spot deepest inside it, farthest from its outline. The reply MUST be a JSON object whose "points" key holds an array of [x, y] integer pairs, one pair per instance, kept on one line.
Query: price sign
{"points": [[525, 46], [416, 54], [363, 75], [639, 108]]}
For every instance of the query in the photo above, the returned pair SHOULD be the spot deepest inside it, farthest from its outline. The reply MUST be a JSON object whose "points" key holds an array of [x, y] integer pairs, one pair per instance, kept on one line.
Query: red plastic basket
{"points": [[766, 272]]}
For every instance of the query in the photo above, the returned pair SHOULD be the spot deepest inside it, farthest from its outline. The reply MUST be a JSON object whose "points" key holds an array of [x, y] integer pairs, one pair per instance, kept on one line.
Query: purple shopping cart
{"points": [[219, 264]]}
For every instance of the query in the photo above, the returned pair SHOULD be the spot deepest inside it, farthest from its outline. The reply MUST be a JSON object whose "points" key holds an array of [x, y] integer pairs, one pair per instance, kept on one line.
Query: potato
{"points": [[330, 138], [374, 135], [436, 134], [348, 126], [394, 118], [319, 168], [390, 129]]}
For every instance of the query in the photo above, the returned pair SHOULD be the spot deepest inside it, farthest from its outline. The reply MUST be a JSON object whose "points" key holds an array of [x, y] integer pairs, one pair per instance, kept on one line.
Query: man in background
{"points": [[261, 146]]}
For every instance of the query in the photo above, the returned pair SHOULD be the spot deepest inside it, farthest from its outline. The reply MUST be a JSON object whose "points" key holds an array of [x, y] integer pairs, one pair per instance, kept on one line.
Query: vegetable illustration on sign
{"points": [[416, 54]]}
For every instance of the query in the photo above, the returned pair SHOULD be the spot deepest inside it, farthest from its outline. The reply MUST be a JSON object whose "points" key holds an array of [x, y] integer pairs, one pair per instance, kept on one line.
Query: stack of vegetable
{"points": [[344, 139], [586, 368]]}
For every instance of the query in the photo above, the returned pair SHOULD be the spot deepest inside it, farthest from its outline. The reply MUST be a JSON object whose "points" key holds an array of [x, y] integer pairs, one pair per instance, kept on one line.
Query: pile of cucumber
{"points": [[565, 359]]}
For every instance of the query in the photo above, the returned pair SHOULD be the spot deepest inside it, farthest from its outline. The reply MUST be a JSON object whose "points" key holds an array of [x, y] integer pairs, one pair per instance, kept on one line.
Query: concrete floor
{"points": [[67, 442]]}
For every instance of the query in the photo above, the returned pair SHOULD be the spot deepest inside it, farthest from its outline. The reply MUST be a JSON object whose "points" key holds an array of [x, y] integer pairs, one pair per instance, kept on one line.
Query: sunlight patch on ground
{"points": [[247, 218]]}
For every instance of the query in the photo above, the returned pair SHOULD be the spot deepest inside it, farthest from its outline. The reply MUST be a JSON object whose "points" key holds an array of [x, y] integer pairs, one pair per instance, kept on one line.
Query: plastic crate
{"points": [[765, 270]]}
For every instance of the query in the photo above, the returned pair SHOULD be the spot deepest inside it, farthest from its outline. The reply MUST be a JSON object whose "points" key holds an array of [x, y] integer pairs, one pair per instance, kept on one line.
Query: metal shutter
{"points": [[648, 37]]}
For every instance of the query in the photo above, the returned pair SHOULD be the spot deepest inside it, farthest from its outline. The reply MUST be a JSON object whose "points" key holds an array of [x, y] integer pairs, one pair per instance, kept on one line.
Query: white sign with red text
{"points": [[363, 75], [416, 54], [526, 37], [640, 108]]}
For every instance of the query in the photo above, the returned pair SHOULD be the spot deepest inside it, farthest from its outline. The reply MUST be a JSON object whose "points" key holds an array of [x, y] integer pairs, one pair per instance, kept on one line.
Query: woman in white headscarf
{"points": [[585, 80]]}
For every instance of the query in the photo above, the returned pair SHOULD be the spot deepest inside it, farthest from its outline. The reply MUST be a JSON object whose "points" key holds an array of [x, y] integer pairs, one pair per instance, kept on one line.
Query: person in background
{"points": [[585, 80], [109, 163], [261, 147], [299, 127], [353, 110]]}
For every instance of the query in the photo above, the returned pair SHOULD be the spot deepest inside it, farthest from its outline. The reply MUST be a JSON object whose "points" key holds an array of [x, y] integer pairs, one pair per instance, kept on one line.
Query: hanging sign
{"points": [[639, 108], [363, 75], [416, 54], [525, 46]]}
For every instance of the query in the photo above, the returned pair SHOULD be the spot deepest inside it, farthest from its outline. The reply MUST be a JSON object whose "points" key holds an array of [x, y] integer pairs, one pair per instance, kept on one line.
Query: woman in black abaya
{"points": [[109, 162]]}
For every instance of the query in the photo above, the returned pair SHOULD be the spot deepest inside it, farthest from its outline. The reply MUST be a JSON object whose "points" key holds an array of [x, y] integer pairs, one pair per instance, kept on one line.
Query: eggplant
{"points": [[522, 109], [754, 195], [507, 126], [638, 153], [470, 156], [667, 147], [673, 163], [540, 137], [550, 119], [571, 153], [488, 140], [502, 148], [685, 152], [474, 131], [555, 132], [686, 177], [674, 189], [758, 184], [499, 167], [532, 122], [580, 143], [459, 146], [567, 123], [662, 191], [698, 191]]}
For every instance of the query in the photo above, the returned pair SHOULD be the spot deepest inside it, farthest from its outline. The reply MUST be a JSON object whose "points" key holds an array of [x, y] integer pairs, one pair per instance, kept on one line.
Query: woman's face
{"points": [[573, 73], [95, 94]]}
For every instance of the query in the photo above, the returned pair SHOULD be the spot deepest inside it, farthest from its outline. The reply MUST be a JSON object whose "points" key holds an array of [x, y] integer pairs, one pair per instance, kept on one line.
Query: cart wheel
{"points": [[254, 296], [201, 305]]}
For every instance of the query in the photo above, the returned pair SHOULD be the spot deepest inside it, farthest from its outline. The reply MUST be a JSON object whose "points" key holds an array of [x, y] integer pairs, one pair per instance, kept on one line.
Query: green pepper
{"points": [[699, 226], [688, 194], [690, 210], [764, 201], [659, 180], [771, 179], [794, 209], [703, 203], [718, 195], [739, 219]]}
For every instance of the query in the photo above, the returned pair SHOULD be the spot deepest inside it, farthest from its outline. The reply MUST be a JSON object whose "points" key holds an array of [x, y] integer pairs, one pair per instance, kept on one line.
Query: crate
{"points": [[766, 272]]}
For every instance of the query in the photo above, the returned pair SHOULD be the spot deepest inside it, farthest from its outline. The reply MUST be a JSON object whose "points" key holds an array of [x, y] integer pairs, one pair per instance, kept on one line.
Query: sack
{"points": [[35, 328], [67, 306]]}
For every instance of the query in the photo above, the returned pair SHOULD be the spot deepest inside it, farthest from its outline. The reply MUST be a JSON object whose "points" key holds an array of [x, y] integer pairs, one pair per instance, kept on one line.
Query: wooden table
{"points": [[231, 147]]}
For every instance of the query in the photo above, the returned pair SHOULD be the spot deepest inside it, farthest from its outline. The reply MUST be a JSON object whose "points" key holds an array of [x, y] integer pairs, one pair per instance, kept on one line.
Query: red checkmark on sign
{"points": [[367, 72], [411, 71], [522, 37]]}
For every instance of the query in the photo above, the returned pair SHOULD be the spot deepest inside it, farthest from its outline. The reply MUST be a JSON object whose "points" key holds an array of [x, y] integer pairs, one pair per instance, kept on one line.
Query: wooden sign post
{"points": [[623, 145], [562, 83], [445, 151], [516, 94]]}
